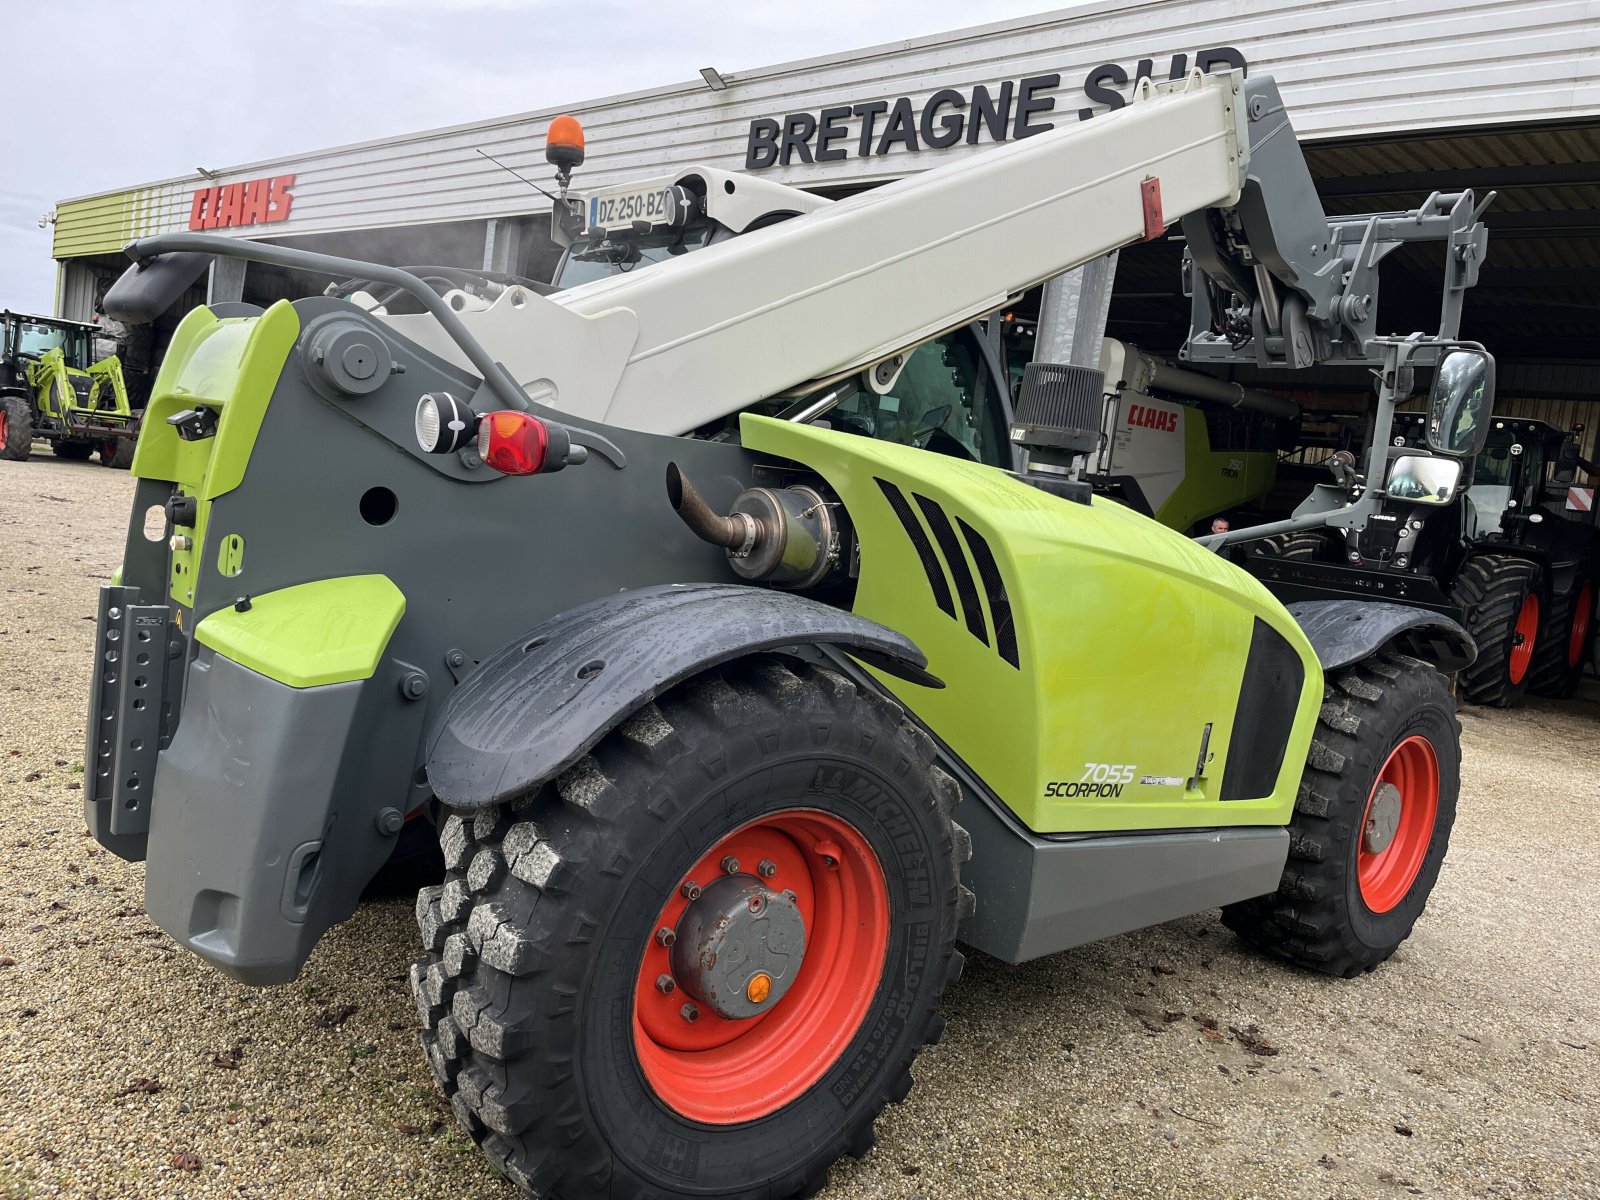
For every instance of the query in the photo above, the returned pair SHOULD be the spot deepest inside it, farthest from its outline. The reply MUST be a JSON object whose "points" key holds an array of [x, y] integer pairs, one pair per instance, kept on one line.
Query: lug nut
{"points": [[767, 869], [790, 896], [730, 865], [666, 936], [690, 1013], [690, 890], [665, 984]]}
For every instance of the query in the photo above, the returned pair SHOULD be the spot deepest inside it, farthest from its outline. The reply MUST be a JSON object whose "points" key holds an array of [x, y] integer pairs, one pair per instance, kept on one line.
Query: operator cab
{"points": [[34, 337], [1509, 475], [949, 397]]}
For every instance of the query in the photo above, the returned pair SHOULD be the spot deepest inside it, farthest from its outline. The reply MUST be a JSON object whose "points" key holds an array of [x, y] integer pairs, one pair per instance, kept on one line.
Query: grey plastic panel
{"points": [[1346, 631], [254, 848], [1037, 896], [537, 705]]}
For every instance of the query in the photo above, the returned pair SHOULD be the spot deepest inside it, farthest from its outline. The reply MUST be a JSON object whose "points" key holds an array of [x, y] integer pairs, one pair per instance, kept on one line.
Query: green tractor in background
{"points": [[52, 388]]}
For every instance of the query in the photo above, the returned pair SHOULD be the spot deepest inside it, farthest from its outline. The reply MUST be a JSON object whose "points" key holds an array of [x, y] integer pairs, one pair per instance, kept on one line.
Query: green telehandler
{"points": [[51, 387], [728, 742]]}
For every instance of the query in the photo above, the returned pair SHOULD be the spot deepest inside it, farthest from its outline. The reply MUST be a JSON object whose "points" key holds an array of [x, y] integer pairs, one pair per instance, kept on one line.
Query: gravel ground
{"points": [[1468, 1066]]}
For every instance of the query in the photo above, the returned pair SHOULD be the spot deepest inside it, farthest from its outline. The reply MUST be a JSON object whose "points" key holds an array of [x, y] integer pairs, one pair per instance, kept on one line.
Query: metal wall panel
{"points": [[105, 224], [1346, 67]]}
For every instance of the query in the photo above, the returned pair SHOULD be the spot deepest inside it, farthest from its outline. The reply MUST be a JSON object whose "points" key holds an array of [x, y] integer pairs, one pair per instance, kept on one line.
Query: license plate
{"points": [[611, 210]]}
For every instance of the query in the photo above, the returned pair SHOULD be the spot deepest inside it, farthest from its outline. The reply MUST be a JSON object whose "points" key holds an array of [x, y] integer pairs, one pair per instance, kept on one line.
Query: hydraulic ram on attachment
{"points": [[701, 336]]}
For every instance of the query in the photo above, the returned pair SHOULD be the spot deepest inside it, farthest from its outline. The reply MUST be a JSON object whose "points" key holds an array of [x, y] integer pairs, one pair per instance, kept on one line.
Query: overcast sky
{"points": [[172, 84]]}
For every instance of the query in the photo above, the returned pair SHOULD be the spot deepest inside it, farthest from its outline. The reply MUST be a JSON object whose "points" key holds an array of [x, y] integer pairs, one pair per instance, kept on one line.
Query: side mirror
{"points": [[150, 287], [1421, 480], [1461, 402]]}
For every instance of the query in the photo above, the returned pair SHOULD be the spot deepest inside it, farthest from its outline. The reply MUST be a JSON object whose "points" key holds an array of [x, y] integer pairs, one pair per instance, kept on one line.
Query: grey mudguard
{"points": [[1346, 631], [536, 706]]}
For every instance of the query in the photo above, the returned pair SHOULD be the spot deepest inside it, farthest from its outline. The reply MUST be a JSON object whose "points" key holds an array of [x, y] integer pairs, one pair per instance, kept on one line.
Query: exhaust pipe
{"points": [[788, 537], [736, 534]]}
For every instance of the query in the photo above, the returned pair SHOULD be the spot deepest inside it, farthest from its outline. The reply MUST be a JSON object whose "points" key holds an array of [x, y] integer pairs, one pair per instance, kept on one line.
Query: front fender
{"points": [[1346, 631], [539, 704]]}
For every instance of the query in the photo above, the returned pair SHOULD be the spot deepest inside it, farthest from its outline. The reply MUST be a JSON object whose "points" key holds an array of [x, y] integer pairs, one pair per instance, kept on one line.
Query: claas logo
{"points": [[1146, 417], [255, 202]]}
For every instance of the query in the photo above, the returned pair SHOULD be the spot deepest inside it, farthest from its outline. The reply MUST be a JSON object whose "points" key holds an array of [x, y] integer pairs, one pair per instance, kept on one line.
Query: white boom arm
{"points": [[699, 337]]}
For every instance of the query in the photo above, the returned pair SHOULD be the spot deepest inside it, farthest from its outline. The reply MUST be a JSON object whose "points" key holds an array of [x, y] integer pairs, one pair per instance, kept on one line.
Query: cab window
{"points": [[589, 259], [944, 401]]}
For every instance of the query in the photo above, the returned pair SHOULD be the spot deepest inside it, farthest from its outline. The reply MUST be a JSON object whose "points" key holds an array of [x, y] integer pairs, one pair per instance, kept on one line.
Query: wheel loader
{"points": [[52, 388], [730, 741]]}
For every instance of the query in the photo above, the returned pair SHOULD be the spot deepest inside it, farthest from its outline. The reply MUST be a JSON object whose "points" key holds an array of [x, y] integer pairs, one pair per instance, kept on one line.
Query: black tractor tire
{"points": [[1563, 653], [16, 428], [72, 449], [1300, 546], [1498, 593], [1321, 916], [541, 936], [117, 453]]}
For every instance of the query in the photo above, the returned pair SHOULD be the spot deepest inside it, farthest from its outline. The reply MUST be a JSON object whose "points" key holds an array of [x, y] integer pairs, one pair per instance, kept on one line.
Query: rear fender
{"points": [[536, 706], [1346, 631]]}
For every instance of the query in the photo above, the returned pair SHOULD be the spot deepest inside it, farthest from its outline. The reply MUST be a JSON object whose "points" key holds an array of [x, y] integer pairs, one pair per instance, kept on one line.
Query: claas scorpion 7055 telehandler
{"points": [[729, 741]]}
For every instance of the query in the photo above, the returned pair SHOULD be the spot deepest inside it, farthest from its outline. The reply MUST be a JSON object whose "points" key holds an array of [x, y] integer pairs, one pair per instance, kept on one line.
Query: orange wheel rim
{"points": [[722, 1071], [1524, 634], [1581, 614], [1397, 824]]}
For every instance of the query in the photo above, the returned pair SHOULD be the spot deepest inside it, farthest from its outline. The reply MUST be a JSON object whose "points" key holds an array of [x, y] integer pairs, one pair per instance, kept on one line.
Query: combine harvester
{"points": [[695, 714]]}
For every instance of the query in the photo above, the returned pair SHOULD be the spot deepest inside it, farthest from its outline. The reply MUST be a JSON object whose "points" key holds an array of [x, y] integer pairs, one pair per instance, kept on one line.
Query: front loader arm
{"points": [[110, 393]]}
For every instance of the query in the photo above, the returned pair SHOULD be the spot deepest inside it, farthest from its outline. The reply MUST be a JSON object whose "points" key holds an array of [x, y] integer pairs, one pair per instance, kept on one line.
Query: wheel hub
{"points": [[1383, 819], [739, 946]]}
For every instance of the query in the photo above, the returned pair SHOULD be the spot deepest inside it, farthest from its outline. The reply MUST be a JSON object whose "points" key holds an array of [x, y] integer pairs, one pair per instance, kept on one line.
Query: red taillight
{"points": [[513, 442]]}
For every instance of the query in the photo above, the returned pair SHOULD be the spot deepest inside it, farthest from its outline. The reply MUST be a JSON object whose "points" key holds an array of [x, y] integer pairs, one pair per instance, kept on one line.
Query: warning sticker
{"points": [[1580, 499]]}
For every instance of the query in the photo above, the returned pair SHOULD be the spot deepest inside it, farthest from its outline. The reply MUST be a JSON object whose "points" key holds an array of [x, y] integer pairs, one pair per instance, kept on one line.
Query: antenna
{"points": [[522, 177]]}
